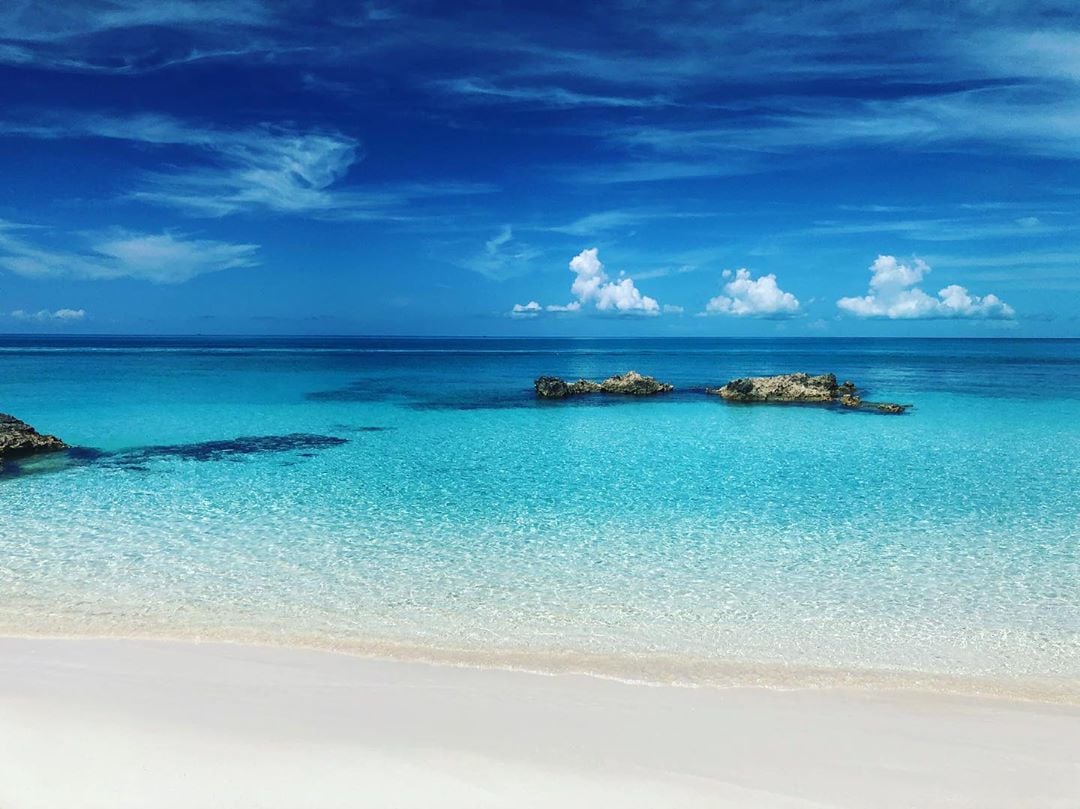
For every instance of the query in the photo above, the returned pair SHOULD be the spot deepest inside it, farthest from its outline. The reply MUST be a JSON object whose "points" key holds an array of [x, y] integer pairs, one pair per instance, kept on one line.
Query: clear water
{"points": [[680, 538]]}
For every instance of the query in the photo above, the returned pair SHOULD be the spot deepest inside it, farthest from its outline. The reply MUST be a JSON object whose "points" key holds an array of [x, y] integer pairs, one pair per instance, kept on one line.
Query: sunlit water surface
{"points": [[457, 518]]}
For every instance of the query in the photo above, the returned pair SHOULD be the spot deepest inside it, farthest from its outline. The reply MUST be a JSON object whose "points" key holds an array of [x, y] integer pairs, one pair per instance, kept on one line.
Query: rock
{"points": [[583, 386], [629, 384], [18, 439], [801, 388], [551, 387], [782, 388], [634, 384]]}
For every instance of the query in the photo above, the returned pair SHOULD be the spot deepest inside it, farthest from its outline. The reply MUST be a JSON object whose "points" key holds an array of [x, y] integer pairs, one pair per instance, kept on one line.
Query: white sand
{"points": [[102, 723]]}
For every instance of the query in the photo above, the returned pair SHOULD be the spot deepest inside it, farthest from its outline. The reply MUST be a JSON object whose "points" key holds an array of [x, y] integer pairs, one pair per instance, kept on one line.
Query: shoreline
{"points": [[119, 723], [656, 670]]}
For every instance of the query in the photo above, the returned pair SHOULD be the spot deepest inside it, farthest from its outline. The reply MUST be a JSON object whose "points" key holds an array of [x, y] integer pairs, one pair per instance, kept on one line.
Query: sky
{"points": [[537, 169]]}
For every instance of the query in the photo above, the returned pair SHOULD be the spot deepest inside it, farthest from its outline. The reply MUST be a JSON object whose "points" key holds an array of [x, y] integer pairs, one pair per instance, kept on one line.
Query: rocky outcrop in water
{"points": [[782, 388], [801, 388], [634, 384], [552, 387], [19, 440], [629, 384]]}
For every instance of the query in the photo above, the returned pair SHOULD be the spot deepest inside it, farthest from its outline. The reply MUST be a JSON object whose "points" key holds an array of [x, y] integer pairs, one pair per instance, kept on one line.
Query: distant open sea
{"points": [[411, 498]]}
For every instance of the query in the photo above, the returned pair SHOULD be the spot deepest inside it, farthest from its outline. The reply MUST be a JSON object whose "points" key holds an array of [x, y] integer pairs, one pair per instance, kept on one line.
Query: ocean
{"points": [[412, 498]]}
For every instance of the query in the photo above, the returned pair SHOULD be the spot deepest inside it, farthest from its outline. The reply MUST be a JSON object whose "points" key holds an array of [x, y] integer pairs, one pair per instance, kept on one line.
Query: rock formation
{"points": [[629, 384], [18, 439], [782, 388], [803, 388], [634, 384]]}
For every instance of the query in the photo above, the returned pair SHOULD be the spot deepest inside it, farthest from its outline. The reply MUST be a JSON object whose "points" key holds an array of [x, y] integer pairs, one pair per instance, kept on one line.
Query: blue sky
{"points": [[735, 168]]}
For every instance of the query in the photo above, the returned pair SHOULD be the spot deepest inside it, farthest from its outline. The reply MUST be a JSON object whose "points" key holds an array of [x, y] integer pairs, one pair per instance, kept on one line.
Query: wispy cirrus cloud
{"points": [[616, 219], [503, 256], [680, 91], [943, 229], [1041, 123], [554, 97], [124, 37], [164, 258], [263, 168]]}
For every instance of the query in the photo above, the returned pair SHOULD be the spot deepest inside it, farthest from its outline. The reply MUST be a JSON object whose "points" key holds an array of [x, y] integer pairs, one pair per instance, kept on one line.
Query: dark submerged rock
{"points": [[629, 384], [234, 447], [19, 440]]}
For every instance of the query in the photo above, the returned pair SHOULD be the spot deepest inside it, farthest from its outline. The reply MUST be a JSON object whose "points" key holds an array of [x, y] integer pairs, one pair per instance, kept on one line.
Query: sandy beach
{"points": [[115, 723]]}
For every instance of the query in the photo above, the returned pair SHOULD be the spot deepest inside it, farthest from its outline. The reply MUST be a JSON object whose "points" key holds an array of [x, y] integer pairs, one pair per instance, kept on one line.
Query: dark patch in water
{"points": [[466, 404], [356, 392], [135, 460], [51, 462], [10, 469], [86, 454], [233, 448], [528, 400], [867, 408]]}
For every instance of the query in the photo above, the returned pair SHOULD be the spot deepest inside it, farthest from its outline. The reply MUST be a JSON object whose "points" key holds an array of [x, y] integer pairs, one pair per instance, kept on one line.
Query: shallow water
{"points": [[458, 518]]}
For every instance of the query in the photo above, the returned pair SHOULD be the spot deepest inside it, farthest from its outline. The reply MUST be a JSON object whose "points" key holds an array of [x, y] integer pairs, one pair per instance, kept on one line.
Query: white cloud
{"points": [[749, 297], [503, 257], [530, 309], [165, 258], [259, 168], [45, 316], [573, 306], [83, 37], [547, 96], [592, 286], [893, 295]]}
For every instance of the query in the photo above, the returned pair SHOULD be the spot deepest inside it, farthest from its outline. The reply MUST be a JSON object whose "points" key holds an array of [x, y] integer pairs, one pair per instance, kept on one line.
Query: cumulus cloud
{"points": [[530, 309], [592, 286], [164, 258], [746, 296], [893, 295], [45, 316]]}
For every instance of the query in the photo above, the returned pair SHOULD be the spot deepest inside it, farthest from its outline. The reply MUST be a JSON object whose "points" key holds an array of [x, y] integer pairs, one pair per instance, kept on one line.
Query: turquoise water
{"points": [[457, 518]]}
